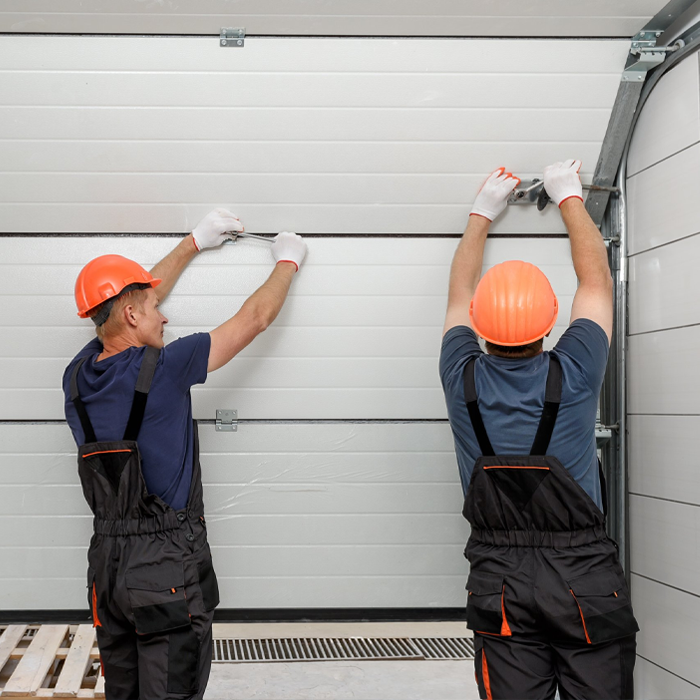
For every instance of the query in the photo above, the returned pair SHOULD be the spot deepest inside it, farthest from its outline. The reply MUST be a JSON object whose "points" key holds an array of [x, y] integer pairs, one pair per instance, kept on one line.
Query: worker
{"points": [[151, 584], [547, 598]]}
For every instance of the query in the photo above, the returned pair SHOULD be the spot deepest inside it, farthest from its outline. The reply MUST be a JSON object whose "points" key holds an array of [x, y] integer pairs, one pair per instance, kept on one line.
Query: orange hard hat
{"points": [[513, 304], [105, 278]]}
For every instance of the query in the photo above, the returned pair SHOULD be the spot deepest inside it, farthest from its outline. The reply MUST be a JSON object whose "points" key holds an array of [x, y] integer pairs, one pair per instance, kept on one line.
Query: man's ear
{"points": [[130, 315]]}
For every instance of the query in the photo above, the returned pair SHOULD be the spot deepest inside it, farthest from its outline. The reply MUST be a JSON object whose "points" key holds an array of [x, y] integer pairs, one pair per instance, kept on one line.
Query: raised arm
{"points": [[468, 259], [594, 297], [211, 231], [262, 307]]}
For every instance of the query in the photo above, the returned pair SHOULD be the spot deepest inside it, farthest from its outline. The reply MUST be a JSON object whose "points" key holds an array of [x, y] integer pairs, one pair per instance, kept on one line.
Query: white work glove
{"points": [[561, 181], [492, 198], [289, 247], [216, 227]]}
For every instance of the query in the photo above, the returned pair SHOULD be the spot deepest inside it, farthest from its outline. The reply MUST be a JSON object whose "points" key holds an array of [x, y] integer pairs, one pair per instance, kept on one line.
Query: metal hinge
{"points": [[226, 421], [232, 37], [648, 54]]}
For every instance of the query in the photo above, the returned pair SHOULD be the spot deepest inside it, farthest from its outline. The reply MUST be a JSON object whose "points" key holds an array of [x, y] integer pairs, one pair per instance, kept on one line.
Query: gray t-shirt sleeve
{"points": [[586, 345], [459, 345]]}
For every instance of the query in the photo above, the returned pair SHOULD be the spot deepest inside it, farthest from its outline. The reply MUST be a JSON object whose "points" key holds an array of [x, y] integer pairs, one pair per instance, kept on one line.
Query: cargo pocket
{"points": [[603, 605], [183, 661], [157, 597], [208, 583], [486, 604]]}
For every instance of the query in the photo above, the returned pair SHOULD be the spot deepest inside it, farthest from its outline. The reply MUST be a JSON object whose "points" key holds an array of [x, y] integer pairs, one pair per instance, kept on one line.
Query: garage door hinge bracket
{"points": [[645, 55], [232, 37], [226, 421]]}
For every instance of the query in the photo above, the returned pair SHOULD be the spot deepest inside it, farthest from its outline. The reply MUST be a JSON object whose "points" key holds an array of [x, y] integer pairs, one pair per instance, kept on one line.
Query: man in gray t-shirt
{"points": [[548, 601]]}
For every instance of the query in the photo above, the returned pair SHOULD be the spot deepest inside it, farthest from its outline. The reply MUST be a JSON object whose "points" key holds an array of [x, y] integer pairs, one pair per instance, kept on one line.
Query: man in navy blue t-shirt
{"points": [[547, 599], [151, 583]]}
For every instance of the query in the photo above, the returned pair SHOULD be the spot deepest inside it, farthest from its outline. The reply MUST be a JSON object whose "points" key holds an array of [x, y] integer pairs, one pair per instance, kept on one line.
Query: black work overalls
{"points": [[151, 585], [547, 598]]}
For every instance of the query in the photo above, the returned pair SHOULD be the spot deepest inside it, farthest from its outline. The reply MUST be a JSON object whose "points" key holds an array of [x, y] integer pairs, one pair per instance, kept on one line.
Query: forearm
{"points": [[268, 300], [171, 266], [588, 252], [468, 260], [256, 314]]}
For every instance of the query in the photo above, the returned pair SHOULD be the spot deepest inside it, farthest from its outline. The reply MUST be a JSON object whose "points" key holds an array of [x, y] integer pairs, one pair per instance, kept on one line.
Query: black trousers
{"points": [[156, 666], [514, 668]]}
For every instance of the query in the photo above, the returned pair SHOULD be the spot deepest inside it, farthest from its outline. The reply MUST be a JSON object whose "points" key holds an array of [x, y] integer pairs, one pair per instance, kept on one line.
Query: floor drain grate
{"points": [[445, 647], [341, 649]]}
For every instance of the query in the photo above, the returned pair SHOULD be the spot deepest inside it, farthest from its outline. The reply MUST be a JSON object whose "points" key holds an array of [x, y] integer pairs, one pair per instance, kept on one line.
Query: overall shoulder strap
{"points": [[552, 399], [473, 408], [143, 386], [79, 405]]}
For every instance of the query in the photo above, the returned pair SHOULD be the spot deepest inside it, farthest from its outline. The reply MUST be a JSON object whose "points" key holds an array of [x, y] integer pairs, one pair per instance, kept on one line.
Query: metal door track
{"points": [[342, 649]]}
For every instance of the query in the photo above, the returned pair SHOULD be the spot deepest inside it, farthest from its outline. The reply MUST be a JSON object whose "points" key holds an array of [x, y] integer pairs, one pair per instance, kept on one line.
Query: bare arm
{"points": [[256, 314], [490, 201], [171, 266], [594, 296], [466, 272], [210, 232]]}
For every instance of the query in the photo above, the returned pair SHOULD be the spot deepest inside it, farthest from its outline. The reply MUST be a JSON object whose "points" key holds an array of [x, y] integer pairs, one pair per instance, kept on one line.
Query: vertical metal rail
{"points": [[619, 223], [614, 395]]}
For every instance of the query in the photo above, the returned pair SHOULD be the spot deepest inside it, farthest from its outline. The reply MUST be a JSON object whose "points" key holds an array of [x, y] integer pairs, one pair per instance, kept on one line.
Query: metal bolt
{"points": [[658, 34], [239, 42], [223, 42]]}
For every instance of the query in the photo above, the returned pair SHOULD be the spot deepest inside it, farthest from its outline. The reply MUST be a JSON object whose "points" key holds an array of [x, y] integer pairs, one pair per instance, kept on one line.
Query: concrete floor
{"points": [[343, 680]]}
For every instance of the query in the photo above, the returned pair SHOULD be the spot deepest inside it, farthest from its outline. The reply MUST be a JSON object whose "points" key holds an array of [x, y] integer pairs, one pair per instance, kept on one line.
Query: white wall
{"points": [[372, 138], [663, 383]]}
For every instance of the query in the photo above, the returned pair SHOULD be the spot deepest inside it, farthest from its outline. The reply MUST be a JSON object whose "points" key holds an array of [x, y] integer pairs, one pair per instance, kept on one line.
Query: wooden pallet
{"points": [[49, 661]]}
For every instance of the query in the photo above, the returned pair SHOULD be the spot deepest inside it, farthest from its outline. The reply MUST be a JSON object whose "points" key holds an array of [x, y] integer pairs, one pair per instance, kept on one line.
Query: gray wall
{"points": [[664, 384]]}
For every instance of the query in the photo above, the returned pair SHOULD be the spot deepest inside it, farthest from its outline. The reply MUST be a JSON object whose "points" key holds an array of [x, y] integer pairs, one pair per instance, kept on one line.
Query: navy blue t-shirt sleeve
{"points": [[459, 345], [92, 348], [185, 360], [585, 343]]}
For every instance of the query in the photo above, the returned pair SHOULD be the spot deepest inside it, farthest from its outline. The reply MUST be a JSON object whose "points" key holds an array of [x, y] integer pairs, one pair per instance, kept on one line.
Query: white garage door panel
{"points": [[661, 548], [363, 506], [270, 499], [669, 620], [233, 273], [666, 287], [437, 591], [663, 372], [260, 530], [290, 90], [75, 251], [47, 531], [318, 55], [655, 683], [267, 218], [263, 127], [670, 120], [398, 95], [349, 191], [663, 457], [365, 319], [398, 158], [670, 182], [540, 18], [275, 562], [69, 592]]}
